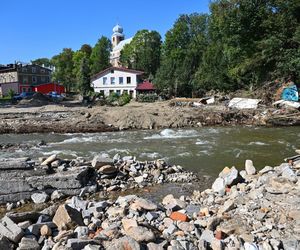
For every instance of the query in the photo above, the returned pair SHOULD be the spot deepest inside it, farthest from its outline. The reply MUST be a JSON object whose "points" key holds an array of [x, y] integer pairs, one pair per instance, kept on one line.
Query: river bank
{"points": [[158, 115], [247, 209]]}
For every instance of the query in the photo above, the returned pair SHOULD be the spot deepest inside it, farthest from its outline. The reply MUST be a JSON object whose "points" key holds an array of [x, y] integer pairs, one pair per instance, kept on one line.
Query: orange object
{"points": [[179, 216]]}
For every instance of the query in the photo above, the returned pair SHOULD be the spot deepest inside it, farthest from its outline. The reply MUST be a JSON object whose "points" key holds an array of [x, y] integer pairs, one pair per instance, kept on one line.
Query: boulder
{"points": [[10, 230], [250, 169], [29, 244], [101, 160], [45, 230], [82, 232], [108, 169], [49, 160], [5, 244], [144, 204], [219, 186], [128, 223], [140, 234], [124, 243], [68, 217], [39, 198]]}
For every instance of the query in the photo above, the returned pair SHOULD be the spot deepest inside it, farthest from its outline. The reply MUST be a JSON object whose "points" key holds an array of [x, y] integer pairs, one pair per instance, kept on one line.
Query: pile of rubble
{"points": [[246, 209], [23, 179]]}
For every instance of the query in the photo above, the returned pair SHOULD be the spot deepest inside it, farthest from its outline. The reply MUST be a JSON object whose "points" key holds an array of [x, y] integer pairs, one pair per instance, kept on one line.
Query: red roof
{"points": [[145, 86], [103, 72]]}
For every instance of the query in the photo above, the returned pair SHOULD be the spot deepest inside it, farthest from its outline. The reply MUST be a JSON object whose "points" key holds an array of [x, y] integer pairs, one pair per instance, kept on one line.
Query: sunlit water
{"points": [[204, 150]]}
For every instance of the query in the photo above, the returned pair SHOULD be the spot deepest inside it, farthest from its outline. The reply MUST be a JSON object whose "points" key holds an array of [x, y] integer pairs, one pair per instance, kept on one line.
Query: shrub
{"points": [[124, 99], [147, 97]]}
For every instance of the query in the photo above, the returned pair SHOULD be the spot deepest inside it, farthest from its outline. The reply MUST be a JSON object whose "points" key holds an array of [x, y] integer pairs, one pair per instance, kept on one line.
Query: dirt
{"points": [[78, 118]]}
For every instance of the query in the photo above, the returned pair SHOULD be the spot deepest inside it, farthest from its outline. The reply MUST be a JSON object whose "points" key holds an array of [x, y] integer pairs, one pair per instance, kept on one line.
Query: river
{"points": [[204, 150]]}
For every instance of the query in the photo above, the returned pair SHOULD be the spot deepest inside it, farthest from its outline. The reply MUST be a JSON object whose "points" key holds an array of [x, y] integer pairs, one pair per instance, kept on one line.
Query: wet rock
{"points": [[67, 217]]}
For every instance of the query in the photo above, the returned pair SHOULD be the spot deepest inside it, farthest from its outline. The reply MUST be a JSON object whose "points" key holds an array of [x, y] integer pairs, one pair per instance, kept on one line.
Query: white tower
{"points": [[117, 35]]}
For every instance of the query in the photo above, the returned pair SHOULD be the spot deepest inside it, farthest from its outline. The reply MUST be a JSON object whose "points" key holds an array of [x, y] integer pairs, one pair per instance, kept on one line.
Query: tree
{"points": [[182, 52], [64, 69], [87, 49], [143, 52], [84, 76], [42, 62], [100, 55]]}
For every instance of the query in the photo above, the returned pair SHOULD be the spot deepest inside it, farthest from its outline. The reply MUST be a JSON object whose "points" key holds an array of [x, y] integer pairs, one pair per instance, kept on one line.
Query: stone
{"points": [[141, 203], [115, 211], [57, 195], [46, 230], [140, 234], [295, 214], [289, 174], [170, 229], [24, 224], [91, 247], [250, 246], [10, 230], [219, 186], [5, 244], [39, 198], [108, 169], [229, 175], [123, 243], [213, 222], [82, 232], [250, 169], [67, 216], [279, 185], [128, 223], [186, 227], [29, 244], [35, 229], [98, 207], [139, 179], [151, 216], [228, 205], [266, 169], [177, 216], [79, 244], [167, 199], [154, 246], [217, 244], [207, 236], [49, 160], [100, 161]]}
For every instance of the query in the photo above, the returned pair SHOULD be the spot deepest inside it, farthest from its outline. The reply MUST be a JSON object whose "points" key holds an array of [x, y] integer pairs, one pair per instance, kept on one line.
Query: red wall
{"points": [[49, 87]]}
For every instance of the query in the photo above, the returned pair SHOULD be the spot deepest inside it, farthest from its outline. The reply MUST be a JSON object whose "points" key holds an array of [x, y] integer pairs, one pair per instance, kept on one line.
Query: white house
{"points": [[116, 80]]}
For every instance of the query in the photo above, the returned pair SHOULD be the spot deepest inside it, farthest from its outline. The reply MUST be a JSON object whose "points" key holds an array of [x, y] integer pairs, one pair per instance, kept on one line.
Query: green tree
{"points": [[182, 52], [84, 76], [87, 49], [100, 55], [64, 69], [42, 62], [143, 52]]}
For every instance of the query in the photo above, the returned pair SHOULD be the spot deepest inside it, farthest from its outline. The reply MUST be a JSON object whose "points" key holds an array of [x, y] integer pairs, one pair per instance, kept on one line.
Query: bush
{"points": [[11, 94], [147, 97], [124, 99]]}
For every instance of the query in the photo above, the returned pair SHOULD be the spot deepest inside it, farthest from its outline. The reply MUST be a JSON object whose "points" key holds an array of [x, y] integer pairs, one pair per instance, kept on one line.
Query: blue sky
{"points": [[35, 28]]}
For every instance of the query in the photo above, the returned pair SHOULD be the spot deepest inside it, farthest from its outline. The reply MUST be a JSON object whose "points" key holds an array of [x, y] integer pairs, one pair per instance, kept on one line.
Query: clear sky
{"points": [[36, 28]]}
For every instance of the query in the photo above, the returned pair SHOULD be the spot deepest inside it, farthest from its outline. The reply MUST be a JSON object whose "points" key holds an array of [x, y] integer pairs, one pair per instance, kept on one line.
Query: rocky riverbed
{"points": [[80, 119], [247, 209]]}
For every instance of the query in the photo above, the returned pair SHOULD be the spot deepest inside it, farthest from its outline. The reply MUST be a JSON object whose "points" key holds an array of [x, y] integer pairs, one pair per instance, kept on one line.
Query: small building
{"points": [[46, 88], [22, 77], [145, 87], [117, 80]]}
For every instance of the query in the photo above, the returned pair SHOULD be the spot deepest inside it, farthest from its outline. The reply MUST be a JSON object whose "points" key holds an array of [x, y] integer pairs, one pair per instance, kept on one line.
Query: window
{"points": [[112, 71], [43, 79], [33, 69], [128, 80], [120, 80], [24, 69], [42, 70], [112, 80], [118, 92], [25, 79], [111, 92], [104, 80], [23, 89], [125, 91], [34, 79]]}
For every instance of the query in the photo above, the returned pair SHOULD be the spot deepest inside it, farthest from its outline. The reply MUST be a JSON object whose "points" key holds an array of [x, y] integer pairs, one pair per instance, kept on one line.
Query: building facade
{"points": [[22, 78], [117, 80], [118, 42]]}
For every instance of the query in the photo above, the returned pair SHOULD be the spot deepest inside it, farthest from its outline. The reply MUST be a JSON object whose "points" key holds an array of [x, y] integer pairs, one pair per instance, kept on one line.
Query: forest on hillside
{"points": [[240, 44]]}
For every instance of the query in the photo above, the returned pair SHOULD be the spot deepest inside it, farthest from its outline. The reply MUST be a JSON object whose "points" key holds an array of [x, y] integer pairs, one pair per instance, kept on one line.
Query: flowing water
{"points": [[203, 150]]}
